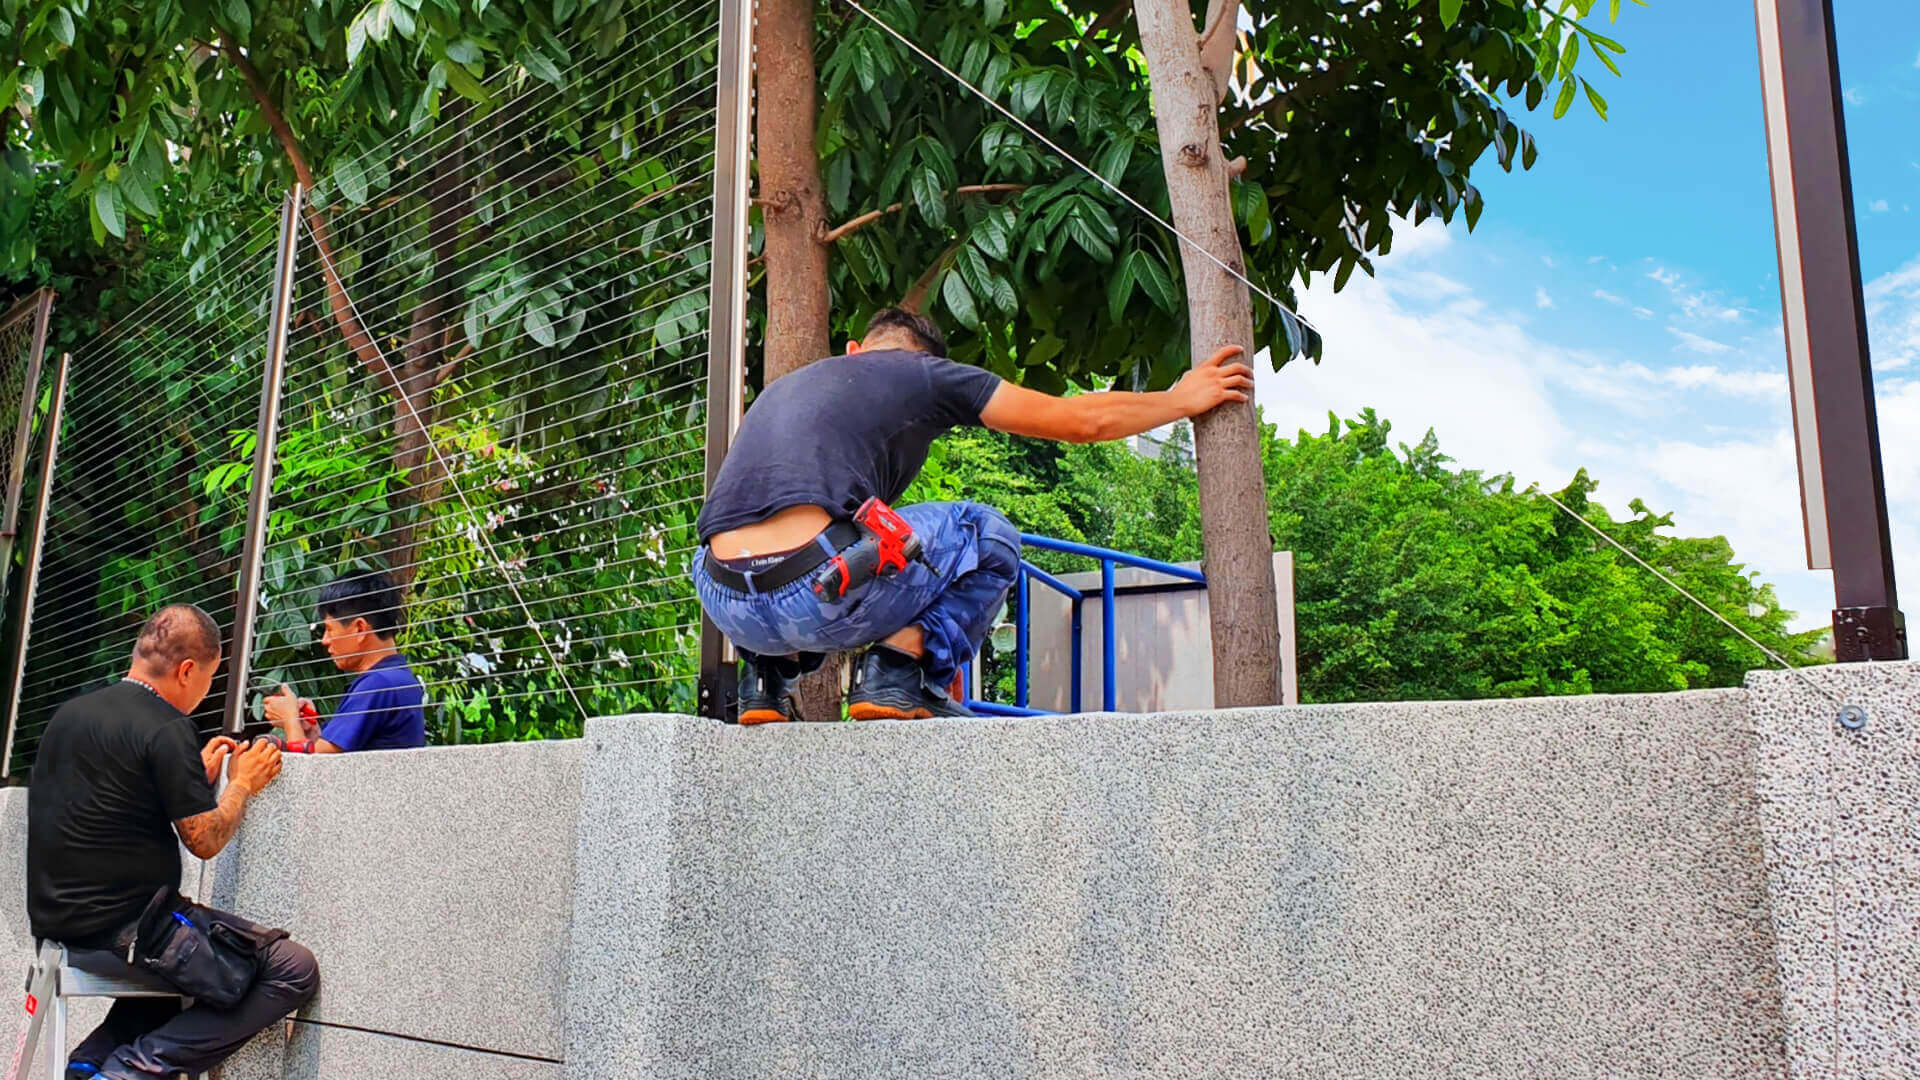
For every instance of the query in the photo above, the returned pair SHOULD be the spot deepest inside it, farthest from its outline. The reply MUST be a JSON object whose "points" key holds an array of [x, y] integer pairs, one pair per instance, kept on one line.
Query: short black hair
{"points": [[932, 341], [365, 594], [175, 633]]}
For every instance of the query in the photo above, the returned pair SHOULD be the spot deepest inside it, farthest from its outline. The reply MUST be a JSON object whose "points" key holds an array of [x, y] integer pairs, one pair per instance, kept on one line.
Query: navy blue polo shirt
{"points": [[383, 710]]}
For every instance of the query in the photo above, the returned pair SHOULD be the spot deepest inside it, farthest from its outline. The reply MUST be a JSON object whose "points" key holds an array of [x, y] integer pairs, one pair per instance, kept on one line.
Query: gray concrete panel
{"points": [[432, 885], [1842, 820], [1566, 888]]}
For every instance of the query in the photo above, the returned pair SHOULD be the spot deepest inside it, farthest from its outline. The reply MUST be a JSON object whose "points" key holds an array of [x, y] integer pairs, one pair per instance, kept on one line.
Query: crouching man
{"points": [[820, 442], [119, 776]]}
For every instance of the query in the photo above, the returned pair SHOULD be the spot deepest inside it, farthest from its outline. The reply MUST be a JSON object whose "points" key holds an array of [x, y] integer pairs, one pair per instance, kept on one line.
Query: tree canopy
{"points": [[1414, 579]]}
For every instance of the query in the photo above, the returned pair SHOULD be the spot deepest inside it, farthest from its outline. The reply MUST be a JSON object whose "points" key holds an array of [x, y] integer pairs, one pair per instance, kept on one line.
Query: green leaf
{"points": [[995, 9], [959, 301], [137, 190], [61, 24], [1536, 89], [463, 51], [1601, 55], [538, 326], [356, 38], [1113, 161], [1561, 106], [1593, 98], [1000, 291], [839, 181], [106, 206], [1449, 12], [238, 15], [1120, 287], [1155, 281], [929, 198], [991, 235], [1529, 153], [1570, 55], [538, 65], [350, 179], [1613, 11]]}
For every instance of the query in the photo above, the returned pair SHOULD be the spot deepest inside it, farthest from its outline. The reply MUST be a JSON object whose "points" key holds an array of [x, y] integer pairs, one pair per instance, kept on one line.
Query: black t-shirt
{"points": [[840, 431], [116, 769]]}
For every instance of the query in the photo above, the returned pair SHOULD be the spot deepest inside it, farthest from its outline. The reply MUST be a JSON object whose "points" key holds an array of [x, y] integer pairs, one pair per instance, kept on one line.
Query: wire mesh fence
{"points": [[23, 339], [496, 393], [152, 407], [496, 375]]}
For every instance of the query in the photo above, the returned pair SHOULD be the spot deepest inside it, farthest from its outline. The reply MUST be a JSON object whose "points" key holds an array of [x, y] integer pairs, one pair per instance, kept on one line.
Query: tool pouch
{"points": [[197, 952]]}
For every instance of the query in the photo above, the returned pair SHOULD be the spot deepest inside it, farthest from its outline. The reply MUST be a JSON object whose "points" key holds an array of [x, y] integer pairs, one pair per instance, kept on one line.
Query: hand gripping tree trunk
{"points": [[1239, 547], [794, 215]]}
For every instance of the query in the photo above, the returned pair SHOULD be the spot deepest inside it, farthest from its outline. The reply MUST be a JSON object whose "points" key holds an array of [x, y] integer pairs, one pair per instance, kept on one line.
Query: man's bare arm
{"points": [[206, 834], [1116, 414]]}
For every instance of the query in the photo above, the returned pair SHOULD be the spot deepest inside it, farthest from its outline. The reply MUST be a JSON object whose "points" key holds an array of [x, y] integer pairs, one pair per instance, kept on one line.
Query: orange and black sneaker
{"points": [[891, 685], [765, 697]]}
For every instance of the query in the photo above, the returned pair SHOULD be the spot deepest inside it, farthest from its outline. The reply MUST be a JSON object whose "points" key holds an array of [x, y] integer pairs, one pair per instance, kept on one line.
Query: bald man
{"points": [[119, 776]]}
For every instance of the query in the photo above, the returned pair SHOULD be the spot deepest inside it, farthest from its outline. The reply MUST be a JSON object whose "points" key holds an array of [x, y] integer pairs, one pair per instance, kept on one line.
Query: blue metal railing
{"points": [[1076, 598]]}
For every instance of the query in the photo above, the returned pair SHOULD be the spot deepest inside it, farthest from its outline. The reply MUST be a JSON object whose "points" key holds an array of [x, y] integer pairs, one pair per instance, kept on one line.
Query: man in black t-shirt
{"points": [[119, 784], [820, 442]]}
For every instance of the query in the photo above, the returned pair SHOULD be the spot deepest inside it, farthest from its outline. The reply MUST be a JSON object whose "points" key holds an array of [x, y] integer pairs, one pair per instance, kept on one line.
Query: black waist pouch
{"points": [[191, 947]]}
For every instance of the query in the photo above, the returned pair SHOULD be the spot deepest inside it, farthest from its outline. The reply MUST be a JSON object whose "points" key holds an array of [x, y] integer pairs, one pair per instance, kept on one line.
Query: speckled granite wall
{"points": [[1841, 812], [1566, 888]]}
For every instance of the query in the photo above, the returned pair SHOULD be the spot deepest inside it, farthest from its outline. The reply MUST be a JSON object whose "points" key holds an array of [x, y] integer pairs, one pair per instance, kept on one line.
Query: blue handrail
{"points": [[1109, 559]]}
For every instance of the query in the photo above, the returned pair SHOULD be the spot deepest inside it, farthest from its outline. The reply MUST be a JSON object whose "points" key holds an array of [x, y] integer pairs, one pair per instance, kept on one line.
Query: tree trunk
{"points": [[794, 214], [1233, 506]]}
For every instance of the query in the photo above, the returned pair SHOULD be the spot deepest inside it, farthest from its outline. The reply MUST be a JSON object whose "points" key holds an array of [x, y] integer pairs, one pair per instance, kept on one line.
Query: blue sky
{"points": [[1618, 307]]}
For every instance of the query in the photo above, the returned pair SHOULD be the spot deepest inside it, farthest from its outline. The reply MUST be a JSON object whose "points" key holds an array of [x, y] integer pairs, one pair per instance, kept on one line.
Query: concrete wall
{"points": [[1546, 888], [1597, 887], [1841, 814]]}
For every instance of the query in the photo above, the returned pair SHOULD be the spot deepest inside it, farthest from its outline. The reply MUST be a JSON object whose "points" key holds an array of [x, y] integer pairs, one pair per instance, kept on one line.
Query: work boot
{"points": [[765, 694], [891, 685]]}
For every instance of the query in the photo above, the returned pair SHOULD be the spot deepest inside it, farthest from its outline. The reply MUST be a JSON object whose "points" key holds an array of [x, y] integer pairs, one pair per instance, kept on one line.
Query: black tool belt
{"points": [[832, 540]]}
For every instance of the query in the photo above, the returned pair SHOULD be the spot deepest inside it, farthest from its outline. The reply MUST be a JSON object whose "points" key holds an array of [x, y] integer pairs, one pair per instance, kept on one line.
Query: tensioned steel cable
{"points": [[479, 534]]}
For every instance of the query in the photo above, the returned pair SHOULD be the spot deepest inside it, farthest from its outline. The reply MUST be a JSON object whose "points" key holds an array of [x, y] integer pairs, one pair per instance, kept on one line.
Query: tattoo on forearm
{"points": [[205, 834]]}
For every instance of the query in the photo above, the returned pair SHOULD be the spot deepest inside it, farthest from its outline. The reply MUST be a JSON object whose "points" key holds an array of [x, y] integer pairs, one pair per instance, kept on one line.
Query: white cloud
{"points": [[1477, 378], [1644, 313], [1693, 342], [1602, 294], [1540, 297], [1878, 206], [1696, 304], [1591, 259], [1548, 260], [1855, 96], [1893, 317]]}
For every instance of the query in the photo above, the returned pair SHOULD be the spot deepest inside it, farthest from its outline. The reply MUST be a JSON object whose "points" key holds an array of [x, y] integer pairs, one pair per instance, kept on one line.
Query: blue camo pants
{"points": [[975, 552]]}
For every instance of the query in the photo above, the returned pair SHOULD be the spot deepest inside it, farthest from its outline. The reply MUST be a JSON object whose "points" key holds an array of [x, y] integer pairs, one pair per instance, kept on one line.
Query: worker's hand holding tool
{"points": [[1214, 382], [290, 712], [256, 766]]}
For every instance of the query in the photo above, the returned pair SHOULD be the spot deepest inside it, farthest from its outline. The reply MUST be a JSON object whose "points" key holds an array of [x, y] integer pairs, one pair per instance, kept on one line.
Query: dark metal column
{"points": [[1842, 489], [247, 596], [727, 315], [31, 584]]}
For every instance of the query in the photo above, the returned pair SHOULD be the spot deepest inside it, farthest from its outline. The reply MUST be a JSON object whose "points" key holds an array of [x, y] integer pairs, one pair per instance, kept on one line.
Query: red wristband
{"points": [[299, 746]]}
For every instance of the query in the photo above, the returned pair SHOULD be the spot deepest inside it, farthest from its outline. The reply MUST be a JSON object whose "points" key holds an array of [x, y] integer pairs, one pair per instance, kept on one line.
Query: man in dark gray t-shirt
{"points": [[823, 440]]}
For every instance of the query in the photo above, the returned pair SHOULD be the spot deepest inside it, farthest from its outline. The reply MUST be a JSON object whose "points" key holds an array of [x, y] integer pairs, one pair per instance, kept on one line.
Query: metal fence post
{"points": [[32, 582], [253, 545], [23, 435], [727, 314]]}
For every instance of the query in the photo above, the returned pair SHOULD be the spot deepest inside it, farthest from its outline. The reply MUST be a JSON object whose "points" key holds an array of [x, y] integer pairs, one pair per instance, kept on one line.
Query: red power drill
{"points": [[888, 547]]}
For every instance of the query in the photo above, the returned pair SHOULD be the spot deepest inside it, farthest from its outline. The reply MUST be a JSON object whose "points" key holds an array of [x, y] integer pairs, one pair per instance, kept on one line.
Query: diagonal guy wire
{"points": [[1083, 166]]}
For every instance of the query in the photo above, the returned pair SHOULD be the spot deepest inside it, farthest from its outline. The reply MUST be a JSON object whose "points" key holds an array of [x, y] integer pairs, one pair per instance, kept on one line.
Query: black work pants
{"points": [[148, 1037]]}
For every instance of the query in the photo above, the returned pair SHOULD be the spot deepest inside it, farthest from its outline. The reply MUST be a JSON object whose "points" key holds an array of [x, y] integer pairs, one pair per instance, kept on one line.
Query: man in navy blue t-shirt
{"points": [[384, 706]]}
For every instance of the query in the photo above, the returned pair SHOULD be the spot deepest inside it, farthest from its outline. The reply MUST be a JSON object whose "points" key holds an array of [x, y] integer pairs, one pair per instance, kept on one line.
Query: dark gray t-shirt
{"points": [[840, 431]]}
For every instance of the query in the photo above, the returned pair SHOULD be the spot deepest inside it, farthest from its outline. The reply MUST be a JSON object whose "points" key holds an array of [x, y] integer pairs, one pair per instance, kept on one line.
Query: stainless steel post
{"points": [[727, 313], [247, 596]]}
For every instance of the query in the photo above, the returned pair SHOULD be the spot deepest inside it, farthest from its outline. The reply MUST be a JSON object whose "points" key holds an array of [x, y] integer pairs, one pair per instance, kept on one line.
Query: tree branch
{"points": [[916, 298], [358, 340], [871, 216]]}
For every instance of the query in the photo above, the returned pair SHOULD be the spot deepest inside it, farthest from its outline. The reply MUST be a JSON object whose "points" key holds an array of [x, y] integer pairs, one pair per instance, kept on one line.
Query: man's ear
{"points": [[183, 671], [853, 346]]}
